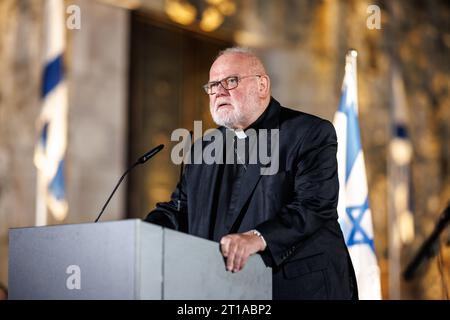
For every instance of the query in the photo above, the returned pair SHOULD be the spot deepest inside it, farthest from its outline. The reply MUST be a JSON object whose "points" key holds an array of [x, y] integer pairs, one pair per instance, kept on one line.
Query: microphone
{"points": [[149, 154], [139, 161]]}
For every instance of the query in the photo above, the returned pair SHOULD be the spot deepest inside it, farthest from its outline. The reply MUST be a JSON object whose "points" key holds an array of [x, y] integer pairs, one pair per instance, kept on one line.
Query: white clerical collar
{"points": [[240, 134]]}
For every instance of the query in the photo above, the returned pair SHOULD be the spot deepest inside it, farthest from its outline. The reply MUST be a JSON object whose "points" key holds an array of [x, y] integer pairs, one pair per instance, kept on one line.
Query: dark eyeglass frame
{"points": [[225, 83]]}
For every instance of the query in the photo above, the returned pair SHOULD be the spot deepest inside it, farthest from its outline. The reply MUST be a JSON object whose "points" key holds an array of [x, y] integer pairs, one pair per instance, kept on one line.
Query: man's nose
{"points": [[221, 91]]}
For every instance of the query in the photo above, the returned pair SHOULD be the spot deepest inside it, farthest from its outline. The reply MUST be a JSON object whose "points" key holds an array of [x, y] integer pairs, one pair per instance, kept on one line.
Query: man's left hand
{"points": [[236, 248]]}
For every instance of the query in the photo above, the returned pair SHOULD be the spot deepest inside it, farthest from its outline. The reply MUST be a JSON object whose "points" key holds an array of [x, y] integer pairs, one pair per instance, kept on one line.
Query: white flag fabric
{"points": [[50, 150], [355, 217]]}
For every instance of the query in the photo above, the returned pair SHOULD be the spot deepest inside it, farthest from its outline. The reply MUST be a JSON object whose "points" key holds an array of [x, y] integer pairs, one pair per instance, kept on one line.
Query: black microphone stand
{"points": [[429, 247], [115, 188]]}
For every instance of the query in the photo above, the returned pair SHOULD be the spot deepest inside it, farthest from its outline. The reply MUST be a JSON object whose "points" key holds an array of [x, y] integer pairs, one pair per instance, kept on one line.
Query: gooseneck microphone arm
{"points": [[141, 160], [117, 185]]}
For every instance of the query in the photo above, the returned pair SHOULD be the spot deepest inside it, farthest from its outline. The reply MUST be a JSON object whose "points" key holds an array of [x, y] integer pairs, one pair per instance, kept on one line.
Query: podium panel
{"points": [[201, 273], [128, 259]]}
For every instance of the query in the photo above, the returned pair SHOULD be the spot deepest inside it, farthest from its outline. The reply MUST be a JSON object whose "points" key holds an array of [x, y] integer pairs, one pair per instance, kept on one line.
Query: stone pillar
{"points": [[20, 72], [98, 85]]}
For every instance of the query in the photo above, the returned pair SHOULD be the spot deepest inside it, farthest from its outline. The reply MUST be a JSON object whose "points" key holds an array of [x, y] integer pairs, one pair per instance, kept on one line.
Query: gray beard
{"points": [[229, 122]]}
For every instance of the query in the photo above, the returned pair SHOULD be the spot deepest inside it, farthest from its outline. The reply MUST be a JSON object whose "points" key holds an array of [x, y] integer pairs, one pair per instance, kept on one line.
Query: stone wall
{"points": [[96, 66], [20, 25]]}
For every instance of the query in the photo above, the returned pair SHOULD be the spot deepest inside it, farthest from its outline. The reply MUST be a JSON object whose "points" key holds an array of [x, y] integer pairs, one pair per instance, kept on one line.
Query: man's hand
{"points": [[238, 247]]}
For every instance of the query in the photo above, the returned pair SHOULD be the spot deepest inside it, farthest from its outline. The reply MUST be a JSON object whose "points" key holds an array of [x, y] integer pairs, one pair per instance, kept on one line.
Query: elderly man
{"points": [[288, 217]]}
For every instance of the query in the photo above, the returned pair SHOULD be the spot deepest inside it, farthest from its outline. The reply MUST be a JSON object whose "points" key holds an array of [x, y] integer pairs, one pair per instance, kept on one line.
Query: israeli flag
{"points": [[355, 217], [50, 150], [399, 165]]}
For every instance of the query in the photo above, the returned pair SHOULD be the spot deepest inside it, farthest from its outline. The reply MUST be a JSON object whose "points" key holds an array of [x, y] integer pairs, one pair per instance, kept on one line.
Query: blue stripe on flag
{"points": [[53, 75], [343, 102], [44, 135], [56, 186], [400, 131], [353, 139]]}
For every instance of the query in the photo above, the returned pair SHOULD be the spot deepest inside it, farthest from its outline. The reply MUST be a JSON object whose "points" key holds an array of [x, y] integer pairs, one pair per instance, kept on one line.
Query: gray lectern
{"points": [[128, 259]]}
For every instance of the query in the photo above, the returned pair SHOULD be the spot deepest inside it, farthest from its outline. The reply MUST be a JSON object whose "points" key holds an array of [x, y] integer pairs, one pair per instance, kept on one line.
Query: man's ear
{"points": [[264, 86]]}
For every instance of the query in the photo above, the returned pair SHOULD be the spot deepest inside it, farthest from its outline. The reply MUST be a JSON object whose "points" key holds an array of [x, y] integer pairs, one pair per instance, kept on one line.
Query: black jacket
{"points": [[294, 209]]}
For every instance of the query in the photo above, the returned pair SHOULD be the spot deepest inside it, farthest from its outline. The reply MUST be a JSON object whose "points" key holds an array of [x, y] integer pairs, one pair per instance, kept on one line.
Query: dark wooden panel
{"points": [[168, 66]]}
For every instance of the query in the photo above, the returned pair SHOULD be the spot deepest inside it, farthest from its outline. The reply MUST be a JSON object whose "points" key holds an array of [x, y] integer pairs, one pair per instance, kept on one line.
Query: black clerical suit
{"points": [[294, 209]]}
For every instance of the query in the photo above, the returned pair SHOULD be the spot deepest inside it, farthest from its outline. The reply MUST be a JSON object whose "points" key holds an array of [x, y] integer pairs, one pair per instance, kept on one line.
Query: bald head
{"points": [[239, 107], [254, 63]]}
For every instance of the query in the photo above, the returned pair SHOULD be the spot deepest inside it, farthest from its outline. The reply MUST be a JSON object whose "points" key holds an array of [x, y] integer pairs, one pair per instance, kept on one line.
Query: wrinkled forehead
{"points": [[230, 64]]}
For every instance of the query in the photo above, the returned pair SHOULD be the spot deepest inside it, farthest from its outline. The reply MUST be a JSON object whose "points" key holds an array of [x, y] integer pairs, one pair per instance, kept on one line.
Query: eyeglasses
{"points": [[228, 83]]}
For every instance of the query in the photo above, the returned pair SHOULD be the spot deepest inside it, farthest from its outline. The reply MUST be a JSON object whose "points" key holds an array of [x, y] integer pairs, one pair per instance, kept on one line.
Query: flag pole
{"points": [[400, 218], [393, 235], [393, 229], [41, 205], [352, 54], [52, 122]]}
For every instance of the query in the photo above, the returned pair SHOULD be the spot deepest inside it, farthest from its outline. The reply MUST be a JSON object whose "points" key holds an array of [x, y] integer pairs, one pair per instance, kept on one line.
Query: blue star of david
{"points": [[357, 229]]}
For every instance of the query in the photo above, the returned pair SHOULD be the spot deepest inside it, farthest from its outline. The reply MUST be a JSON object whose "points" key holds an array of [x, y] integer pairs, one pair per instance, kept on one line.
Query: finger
{"points": [[231, 256], [224, 246], [224, 239], [238, 259], [243, 261]]}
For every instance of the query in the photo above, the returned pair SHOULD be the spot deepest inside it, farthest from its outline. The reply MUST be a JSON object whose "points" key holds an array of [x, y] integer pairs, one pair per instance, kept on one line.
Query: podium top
{"points": [[126, 259]]}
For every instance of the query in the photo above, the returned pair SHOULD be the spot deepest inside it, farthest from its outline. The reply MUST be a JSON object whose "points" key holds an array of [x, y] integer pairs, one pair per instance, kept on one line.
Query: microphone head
{"points": [[150, 154]]}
